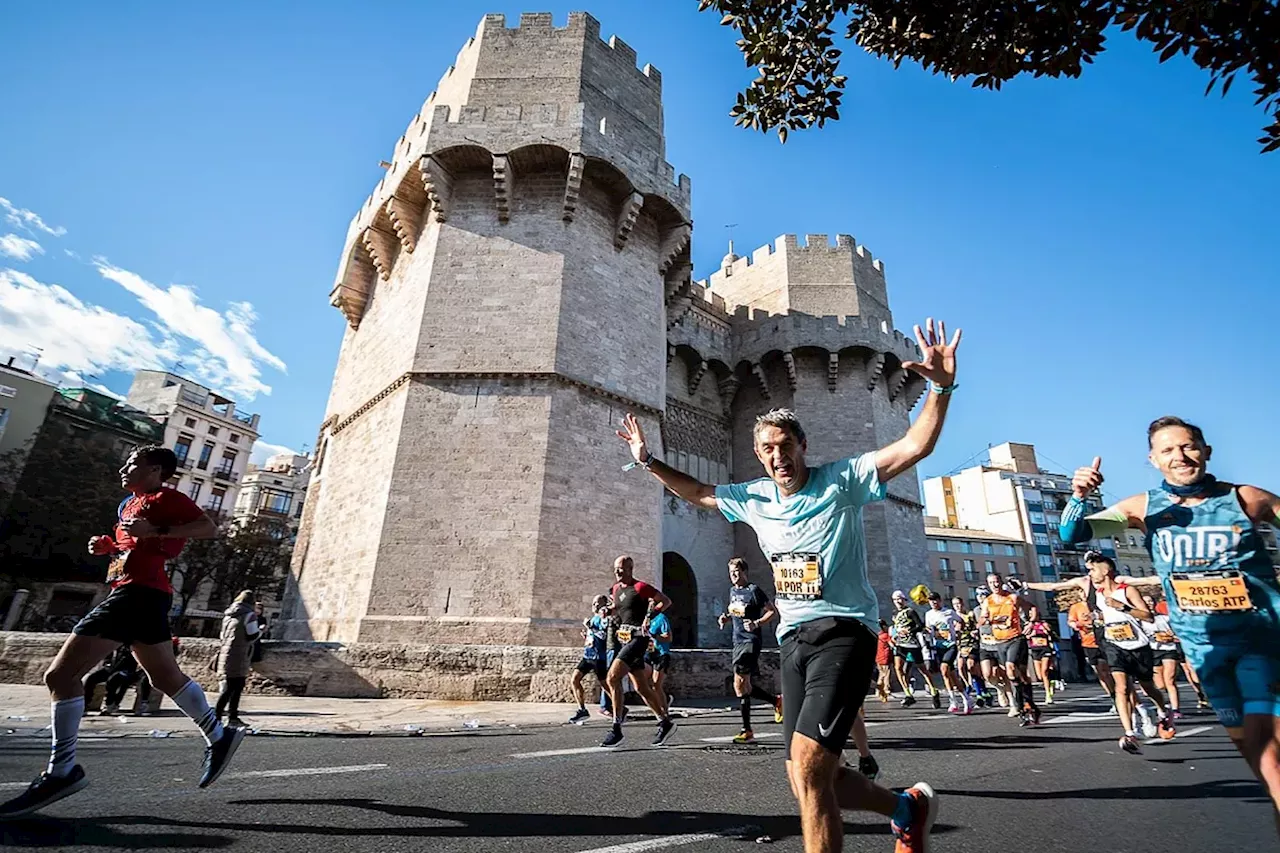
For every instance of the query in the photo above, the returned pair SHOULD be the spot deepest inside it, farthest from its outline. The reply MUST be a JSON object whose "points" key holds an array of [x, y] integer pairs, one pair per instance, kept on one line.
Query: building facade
{"points": [[1012, 496], [24, 403], [276, 490], [961, 559], [517, 282], [211, 439]]}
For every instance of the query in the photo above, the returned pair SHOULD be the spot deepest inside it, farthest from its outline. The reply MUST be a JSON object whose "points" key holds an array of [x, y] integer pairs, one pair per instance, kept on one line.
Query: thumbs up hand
{"points": [[1086, 480]]}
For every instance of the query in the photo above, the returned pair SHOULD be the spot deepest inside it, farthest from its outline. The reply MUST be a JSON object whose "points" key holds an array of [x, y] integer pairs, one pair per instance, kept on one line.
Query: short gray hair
{"points": [[782, 419]]}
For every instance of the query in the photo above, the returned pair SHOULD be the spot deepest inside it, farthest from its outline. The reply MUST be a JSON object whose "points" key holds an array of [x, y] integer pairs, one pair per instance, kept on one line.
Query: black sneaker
{"points": [[868, 767], [937, 700], [614, 737], [1024, 719], [44, 790], [908, 701], [665, 728], [580, 716], [217, 756]]}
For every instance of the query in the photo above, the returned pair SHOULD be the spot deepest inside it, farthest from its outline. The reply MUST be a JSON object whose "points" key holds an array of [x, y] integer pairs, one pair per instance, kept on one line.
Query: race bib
{"points": [[1165, 637], [627, 632], [944, 634], [1039, 642], [1211, 592], [1121, 632], [797, 577], [737, 608], [115, 570]]}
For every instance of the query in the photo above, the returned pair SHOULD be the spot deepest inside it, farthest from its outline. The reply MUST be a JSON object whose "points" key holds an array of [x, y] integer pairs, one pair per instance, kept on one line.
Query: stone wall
{"points": [[388, 670]]}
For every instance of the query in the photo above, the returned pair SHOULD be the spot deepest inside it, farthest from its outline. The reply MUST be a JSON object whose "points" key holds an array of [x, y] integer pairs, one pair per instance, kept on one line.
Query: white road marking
{"points": [[1079, 717], [1198, 730], [548, 753], [7, 785], [729, 738], [305, 771], [674, 840]]}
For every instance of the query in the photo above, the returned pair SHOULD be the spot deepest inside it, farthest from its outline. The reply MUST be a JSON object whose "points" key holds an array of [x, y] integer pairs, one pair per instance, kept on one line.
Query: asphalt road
{"points": [[1063, 787]]}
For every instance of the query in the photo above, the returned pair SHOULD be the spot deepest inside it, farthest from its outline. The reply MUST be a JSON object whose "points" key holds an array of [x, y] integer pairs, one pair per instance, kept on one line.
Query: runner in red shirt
{"points": [[154, 524], [884, 662], [633, 603]]}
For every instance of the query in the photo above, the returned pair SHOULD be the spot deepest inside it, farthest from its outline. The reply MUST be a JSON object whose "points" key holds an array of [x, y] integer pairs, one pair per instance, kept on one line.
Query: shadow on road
{"points": [[51, 832], [1223, 789]]}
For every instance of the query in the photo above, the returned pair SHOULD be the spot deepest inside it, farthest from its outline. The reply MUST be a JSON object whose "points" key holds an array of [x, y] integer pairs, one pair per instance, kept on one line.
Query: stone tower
{"points": [[806, 326], [504, 291]]}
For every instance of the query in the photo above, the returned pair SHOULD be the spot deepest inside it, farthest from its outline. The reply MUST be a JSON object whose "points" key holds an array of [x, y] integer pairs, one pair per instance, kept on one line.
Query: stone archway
{"points": [[680, 585]]}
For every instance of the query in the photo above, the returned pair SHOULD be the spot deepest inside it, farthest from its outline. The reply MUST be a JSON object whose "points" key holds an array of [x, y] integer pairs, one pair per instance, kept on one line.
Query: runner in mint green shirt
{"points": [[808, 521]]}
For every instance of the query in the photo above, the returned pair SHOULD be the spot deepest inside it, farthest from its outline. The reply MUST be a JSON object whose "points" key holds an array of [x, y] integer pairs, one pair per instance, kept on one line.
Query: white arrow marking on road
{"points": [[306, 771], [674, 840], [1198, 730], [1079, 717], [548, 753]]}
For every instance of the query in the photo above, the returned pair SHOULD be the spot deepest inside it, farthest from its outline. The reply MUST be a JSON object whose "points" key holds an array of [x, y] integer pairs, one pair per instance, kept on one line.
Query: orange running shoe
{"points": [[924, 808]]}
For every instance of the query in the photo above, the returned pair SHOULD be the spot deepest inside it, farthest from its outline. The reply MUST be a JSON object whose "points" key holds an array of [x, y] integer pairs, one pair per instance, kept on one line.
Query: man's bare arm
{"points": [[1058, 586], [938, 365], [678, 483], [1261, 506]]}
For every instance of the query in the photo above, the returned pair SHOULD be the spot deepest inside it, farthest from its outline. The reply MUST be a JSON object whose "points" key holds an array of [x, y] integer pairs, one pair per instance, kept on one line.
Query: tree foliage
{"points": [[791, 43], [253, 554]]}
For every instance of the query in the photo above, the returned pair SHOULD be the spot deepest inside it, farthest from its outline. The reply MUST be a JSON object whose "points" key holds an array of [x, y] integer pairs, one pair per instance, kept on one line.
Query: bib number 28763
{"points": [[797, 577]]}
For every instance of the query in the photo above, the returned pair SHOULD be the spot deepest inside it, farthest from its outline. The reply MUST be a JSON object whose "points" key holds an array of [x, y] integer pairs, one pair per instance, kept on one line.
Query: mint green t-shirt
{"points": [[823, 523]]}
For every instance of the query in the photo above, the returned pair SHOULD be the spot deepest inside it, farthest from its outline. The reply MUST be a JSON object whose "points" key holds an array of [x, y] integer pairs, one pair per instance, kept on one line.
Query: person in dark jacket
{"points": [[239, 631]]}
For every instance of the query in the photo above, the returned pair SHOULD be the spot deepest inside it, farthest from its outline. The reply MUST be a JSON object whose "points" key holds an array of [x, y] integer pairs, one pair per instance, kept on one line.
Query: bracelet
{"points": [[941, 391], [648, 460]]}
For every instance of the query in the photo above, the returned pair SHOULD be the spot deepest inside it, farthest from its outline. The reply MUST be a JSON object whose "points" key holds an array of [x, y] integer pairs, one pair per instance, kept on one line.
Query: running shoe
{"points": [[908, 701], [614, 737], [777, 708], [937, 700], [580, 716], [1113, 711], [109, 710], [1048, 697], [952, 708], [144, 711], [1035, 716], [665, 728], [1013, 712], [868, 767], [1202, 703], [1149, 729], [745, 736], [1165, 729], [218, 755], [924, 808], [1129, 744], [46, 789], [968, 705], [606, 713], [237, 722], [1177, 715], [1004, 698]]}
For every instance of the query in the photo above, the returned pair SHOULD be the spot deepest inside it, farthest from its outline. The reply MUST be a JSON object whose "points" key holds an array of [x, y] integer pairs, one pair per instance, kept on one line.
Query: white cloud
{"points": [[262, 450], [28, 220], [13, 246], [226, 352]]}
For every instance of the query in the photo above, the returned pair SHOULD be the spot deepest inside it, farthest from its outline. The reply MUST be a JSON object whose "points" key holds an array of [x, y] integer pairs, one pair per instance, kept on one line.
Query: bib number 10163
{"points": [[797, 577]]}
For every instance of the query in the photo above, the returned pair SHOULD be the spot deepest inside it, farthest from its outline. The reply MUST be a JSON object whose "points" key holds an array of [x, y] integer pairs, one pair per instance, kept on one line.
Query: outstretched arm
{"points": [[938, 365], [1059, 586], [1261, 506], [1075, 527], [677, 482]]}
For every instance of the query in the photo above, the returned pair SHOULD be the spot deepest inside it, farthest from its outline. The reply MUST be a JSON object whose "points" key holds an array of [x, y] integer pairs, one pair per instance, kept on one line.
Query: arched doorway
{"points": [[681, 587]]}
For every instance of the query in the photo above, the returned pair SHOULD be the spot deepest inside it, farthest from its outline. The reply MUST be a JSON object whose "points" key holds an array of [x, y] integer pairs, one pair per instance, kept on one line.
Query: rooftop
{"points": [[967, 533]]}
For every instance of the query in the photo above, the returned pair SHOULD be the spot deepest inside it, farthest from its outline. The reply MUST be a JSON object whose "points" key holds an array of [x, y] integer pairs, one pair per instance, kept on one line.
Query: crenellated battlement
{"points": [[536, 25], [790, 245], [759, 332]]}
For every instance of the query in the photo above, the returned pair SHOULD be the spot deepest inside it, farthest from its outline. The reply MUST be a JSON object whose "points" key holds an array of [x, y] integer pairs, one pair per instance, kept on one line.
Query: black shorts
{"points": [[1009, 652], [130, 614], [1160, 656], [1135, 663], [746, 658], [660, 663], [1041, 654], [945, 654], [967, 654], [633, 651], [586, 666], [827, 667], [911, 655], [1094, 654]]}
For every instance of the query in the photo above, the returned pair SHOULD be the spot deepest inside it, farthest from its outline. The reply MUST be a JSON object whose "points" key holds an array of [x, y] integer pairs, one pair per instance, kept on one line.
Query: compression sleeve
{"points": [[1076, 527]]}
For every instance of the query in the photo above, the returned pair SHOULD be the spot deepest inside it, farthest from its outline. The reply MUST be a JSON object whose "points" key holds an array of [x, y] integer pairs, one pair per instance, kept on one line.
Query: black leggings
{"points": [[229, 699]]}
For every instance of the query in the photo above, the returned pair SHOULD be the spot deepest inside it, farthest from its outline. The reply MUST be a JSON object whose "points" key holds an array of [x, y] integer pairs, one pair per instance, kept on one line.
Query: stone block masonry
{"points": [[518, 280]]}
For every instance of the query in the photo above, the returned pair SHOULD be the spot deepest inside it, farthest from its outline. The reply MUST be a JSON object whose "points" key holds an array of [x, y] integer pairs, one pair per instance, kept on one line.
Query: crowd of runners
{"points": [[1217, 619]]}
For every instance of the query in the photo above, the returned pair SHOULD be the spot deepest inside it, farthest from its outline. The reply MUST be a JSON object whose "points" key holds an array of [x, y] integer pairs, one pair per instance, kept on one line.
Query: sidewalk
{"points": [[24, 710]]}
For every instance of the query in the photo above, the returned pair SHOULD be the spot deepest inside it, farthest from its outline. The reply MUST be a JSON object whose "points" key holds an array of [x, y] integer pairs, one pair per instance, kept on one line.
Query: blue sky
{"points": [[1108, 244]]}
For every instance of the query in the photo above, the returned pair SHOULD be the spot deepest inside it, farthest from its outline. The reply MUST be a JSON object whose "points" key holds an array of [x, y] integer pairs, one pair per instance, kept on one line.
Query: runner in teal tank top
{"points": [[1224, 599]]}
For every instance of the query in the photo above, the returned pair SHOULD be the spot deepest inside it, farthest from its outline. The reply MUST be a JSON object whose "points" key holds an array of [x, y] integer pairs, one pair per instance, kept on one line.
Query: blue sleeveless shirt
{"points": [[1217, 577]]}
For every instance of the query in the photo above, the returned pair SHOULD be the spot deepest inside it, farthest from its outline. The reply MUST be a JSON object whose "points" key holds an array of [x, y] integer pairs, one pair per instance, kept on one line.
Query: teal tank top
{"points": [[1216, 574]]}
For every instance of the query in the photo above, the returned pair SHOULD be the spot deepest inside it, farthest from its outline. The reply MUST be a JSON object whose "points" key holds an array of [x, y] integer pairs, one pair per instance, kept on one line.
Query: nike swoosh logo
{"points": [[825, 731]]}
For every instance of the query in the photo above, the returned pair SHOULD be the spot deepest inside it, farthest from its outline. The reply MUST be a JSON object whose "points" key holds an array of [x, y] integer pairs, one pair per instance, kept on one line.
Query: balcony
{"points": [[222, 472], [947, 574], [244, 419]]}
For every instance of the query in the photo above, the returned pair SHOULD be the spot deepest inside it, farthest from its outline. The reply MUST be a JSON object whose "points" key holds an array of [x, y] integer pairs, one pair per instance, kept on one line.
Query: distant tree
{"points": [[791, 43], [253, 554]]}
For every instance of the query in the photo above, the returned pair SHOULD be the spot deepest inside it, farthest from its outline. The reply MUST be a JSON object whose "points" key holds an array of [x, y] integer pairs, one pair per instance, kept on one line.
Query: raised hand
{"points": [[633, 435], [1086, 480], [101, 545], [937, 355]]}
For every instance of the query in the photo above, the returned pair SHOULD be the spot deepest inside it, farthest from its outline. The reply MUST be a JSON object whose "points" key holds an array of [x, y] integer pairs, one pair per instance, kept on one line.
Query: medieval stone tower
{"points": [[517, 281]]}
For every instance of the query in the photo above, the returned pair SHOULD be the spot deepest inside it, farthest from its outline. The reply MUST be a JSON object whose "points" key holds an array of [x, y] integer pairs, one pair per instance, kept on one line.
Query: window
{"points": [[276, 501], [1133, 543], [1036, 517], [951, 593], [194, 491], [966, 547], [235, 438], [4, 419], [944, 569], [1050, 573], [1011, 567], [191, 422], [1045, 561], [1040, 538], [988, 548], [1010, 551], [297, 510], [182, 449], [215, 498], [991, 567], [213, 430], [205, 453], [228, 462], [938, 544], [969, 573]]}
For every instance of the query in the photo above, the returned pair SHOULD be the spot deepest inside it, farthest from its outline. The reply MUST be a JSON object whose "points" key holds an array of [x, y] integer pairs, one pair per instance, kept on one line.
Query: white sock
{"points": [[66, 728], [193, 703]]}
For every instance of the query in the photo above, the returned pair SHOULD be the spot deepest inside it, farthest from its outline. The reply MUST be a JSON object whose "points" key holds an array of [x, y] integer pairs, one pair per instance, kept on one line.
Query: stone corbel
{"points": [[503, 178], [381, 247], [758, 372], [924, 385], [696, 376], [833, 371], [900, 378], [406, 219], [437, 181], [728, 390], [875, 368], [627, 219], [674, 241], [573, 185], [790, 361], [351, 294], [676, 279]]}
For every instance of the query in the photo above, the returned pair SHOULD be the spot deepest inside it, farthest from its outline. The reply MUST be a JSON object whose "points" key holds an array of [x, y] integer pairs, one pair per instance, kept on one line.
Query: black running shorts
{"points": [[1160, 656], [1010, 652], [130, 614], [660, 663], [988, 653], [596, 667], [912, 654], [945, 654], [746, 658], [827, 667], [1093, 654], [1041, 654], [1135, 663], [633, 651]]}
